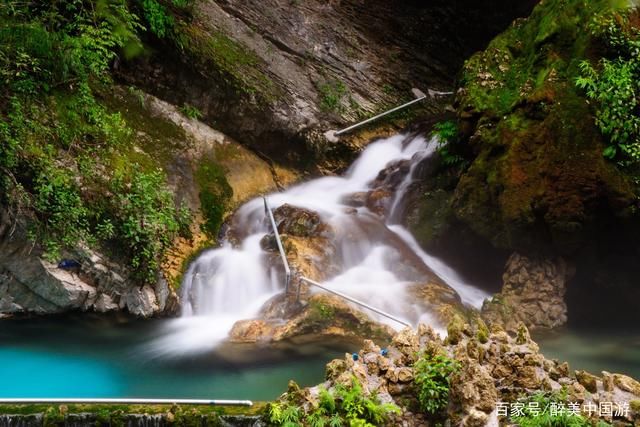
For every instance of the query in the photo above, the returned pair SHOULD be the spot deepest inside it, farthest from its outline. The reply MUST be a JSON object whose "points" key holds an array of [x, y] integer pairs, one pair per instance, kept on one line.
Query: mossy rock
{"points": [[538, 179], [215, 194], [122, 415]]}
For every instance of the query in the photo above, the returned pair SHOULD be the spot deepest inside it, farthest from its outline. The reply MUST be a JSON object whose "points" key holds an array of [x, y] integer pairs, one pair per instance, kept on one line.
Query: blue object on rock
{"points": [[68, 264], [384, 352], [355, 356]]}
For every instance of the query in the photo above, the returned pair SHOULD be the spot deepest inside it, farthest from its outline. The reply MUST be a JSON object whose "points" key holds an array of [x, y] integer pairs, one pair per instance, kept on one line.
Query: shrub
{"points": [[447, 136], [331, 95], [191, 112], [538, 411], [431, 378], [146, 218], [160, 18], [344, 405], [57, 139], [446, 131], [614, 84]]}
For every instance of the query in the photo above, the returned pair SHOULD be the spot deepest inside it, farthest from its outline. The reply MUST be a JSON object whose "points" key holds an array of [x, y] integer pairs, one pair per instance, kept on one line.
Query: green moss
{"points": [[131, 104], [455, 329], [321, 311], [238, 65], [433, 216], [116, 412], [215, 193], [53, 417], [538, 168], [529, 56], [482, 332]]}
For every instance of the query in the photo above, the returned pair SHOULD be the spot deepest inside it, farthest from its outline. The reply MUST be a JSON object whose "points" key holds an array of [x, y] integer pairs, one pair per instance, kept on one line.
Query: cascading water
{"points": [[232, 283]]}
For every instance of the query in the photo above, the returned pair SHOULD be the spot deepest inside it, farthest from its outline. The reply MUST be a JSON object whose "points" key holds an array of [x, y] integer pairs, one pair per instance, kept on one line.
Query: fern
{"points": [[432, 374]]}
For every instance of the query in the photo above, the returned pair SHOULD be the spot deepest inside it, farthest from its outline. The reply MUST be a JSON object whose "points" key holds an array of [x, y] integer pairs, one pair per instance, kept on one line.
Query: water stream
{"points": [[87, 356], [232, 283]]}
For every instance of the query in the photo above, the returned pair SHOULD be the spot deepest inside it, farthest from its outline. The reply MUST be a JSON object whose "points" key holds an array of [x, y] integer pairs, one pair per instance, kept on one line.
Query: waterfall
{"points": [[232, 283]]}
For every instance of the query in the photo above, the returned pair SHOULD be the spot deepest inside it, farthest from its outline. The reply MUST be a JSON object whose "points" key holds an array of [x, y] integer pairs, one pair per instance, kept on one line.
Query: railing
{"points": [[360, 303], [332, 135], [419, 97], [81, 401], [287, 270], [283, 256]]}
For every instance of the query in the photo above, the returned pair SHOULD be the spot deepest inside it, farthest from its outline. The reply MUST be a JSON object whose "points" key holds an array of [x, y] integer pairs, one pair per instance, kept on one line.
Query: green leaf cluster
{"points": [[341, 406], [613, 83], [446, 133], [331, 96], [145, 216], [159, 16], [190, 111], [60, 146], [431, 378], [541, 414]]}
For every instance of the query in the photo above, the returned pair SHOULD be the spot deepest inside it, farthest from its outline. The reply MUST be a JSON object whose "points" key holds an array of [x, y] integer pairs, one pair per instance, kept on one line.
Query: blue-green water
{"points": [[87, 356], [595, 350], [98, 357]]}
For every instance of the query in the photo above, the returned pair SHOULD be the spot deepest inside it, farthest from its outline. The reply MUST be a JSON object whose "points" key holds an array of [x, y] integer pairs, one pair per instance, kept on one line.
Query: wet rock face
{"points": [[538, 178], [533, 293], [280, 72], [298, 222], [314, 250], [324, 317]]}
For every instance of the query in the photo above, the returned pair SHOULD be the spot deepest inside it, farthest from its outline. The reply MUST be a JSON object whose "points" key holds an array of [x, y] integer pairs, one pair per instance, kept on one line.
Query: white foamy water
{"points": [[228, 284]]}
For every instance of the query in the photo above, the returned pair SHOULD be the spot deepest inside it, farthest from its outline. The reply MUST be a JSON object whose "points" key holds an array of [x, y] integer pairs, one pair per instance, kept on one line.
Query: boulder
{"points": [[298, 221], [626, 383], [140, 301], [533, 292], [250, 331], [29, 283], [104, 303], [587, 380]]}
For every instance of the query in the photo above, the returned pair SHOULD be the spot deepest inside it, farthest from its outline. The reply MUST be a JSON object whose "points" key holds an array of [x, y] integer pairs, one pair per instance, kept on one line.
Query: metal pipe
{"points": [[127, 401], [347, 297], [369, 120], [287, 270]]}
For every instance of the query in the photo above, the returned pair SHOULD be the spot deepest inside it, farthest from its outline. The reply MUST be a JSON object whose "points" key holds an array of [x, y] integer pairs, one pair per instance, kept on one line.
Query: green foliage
{"points": [[57, 138], [159, 16], [63, 42], [322, 311], [447, 136], [446, 131], [146, 217], [63, 213], [331, 95], [192, 112], [344, 405], [614, 85], [160, 21], [283, 414], [431, 378], [537, 411], [215, 194]]}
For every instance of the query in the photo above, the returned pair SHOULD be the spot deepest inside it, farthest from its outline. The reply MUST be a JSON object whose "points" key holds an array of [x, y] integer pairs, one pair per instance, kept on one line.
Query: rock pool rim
{"points": [[125, 401], [360, 303]]}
